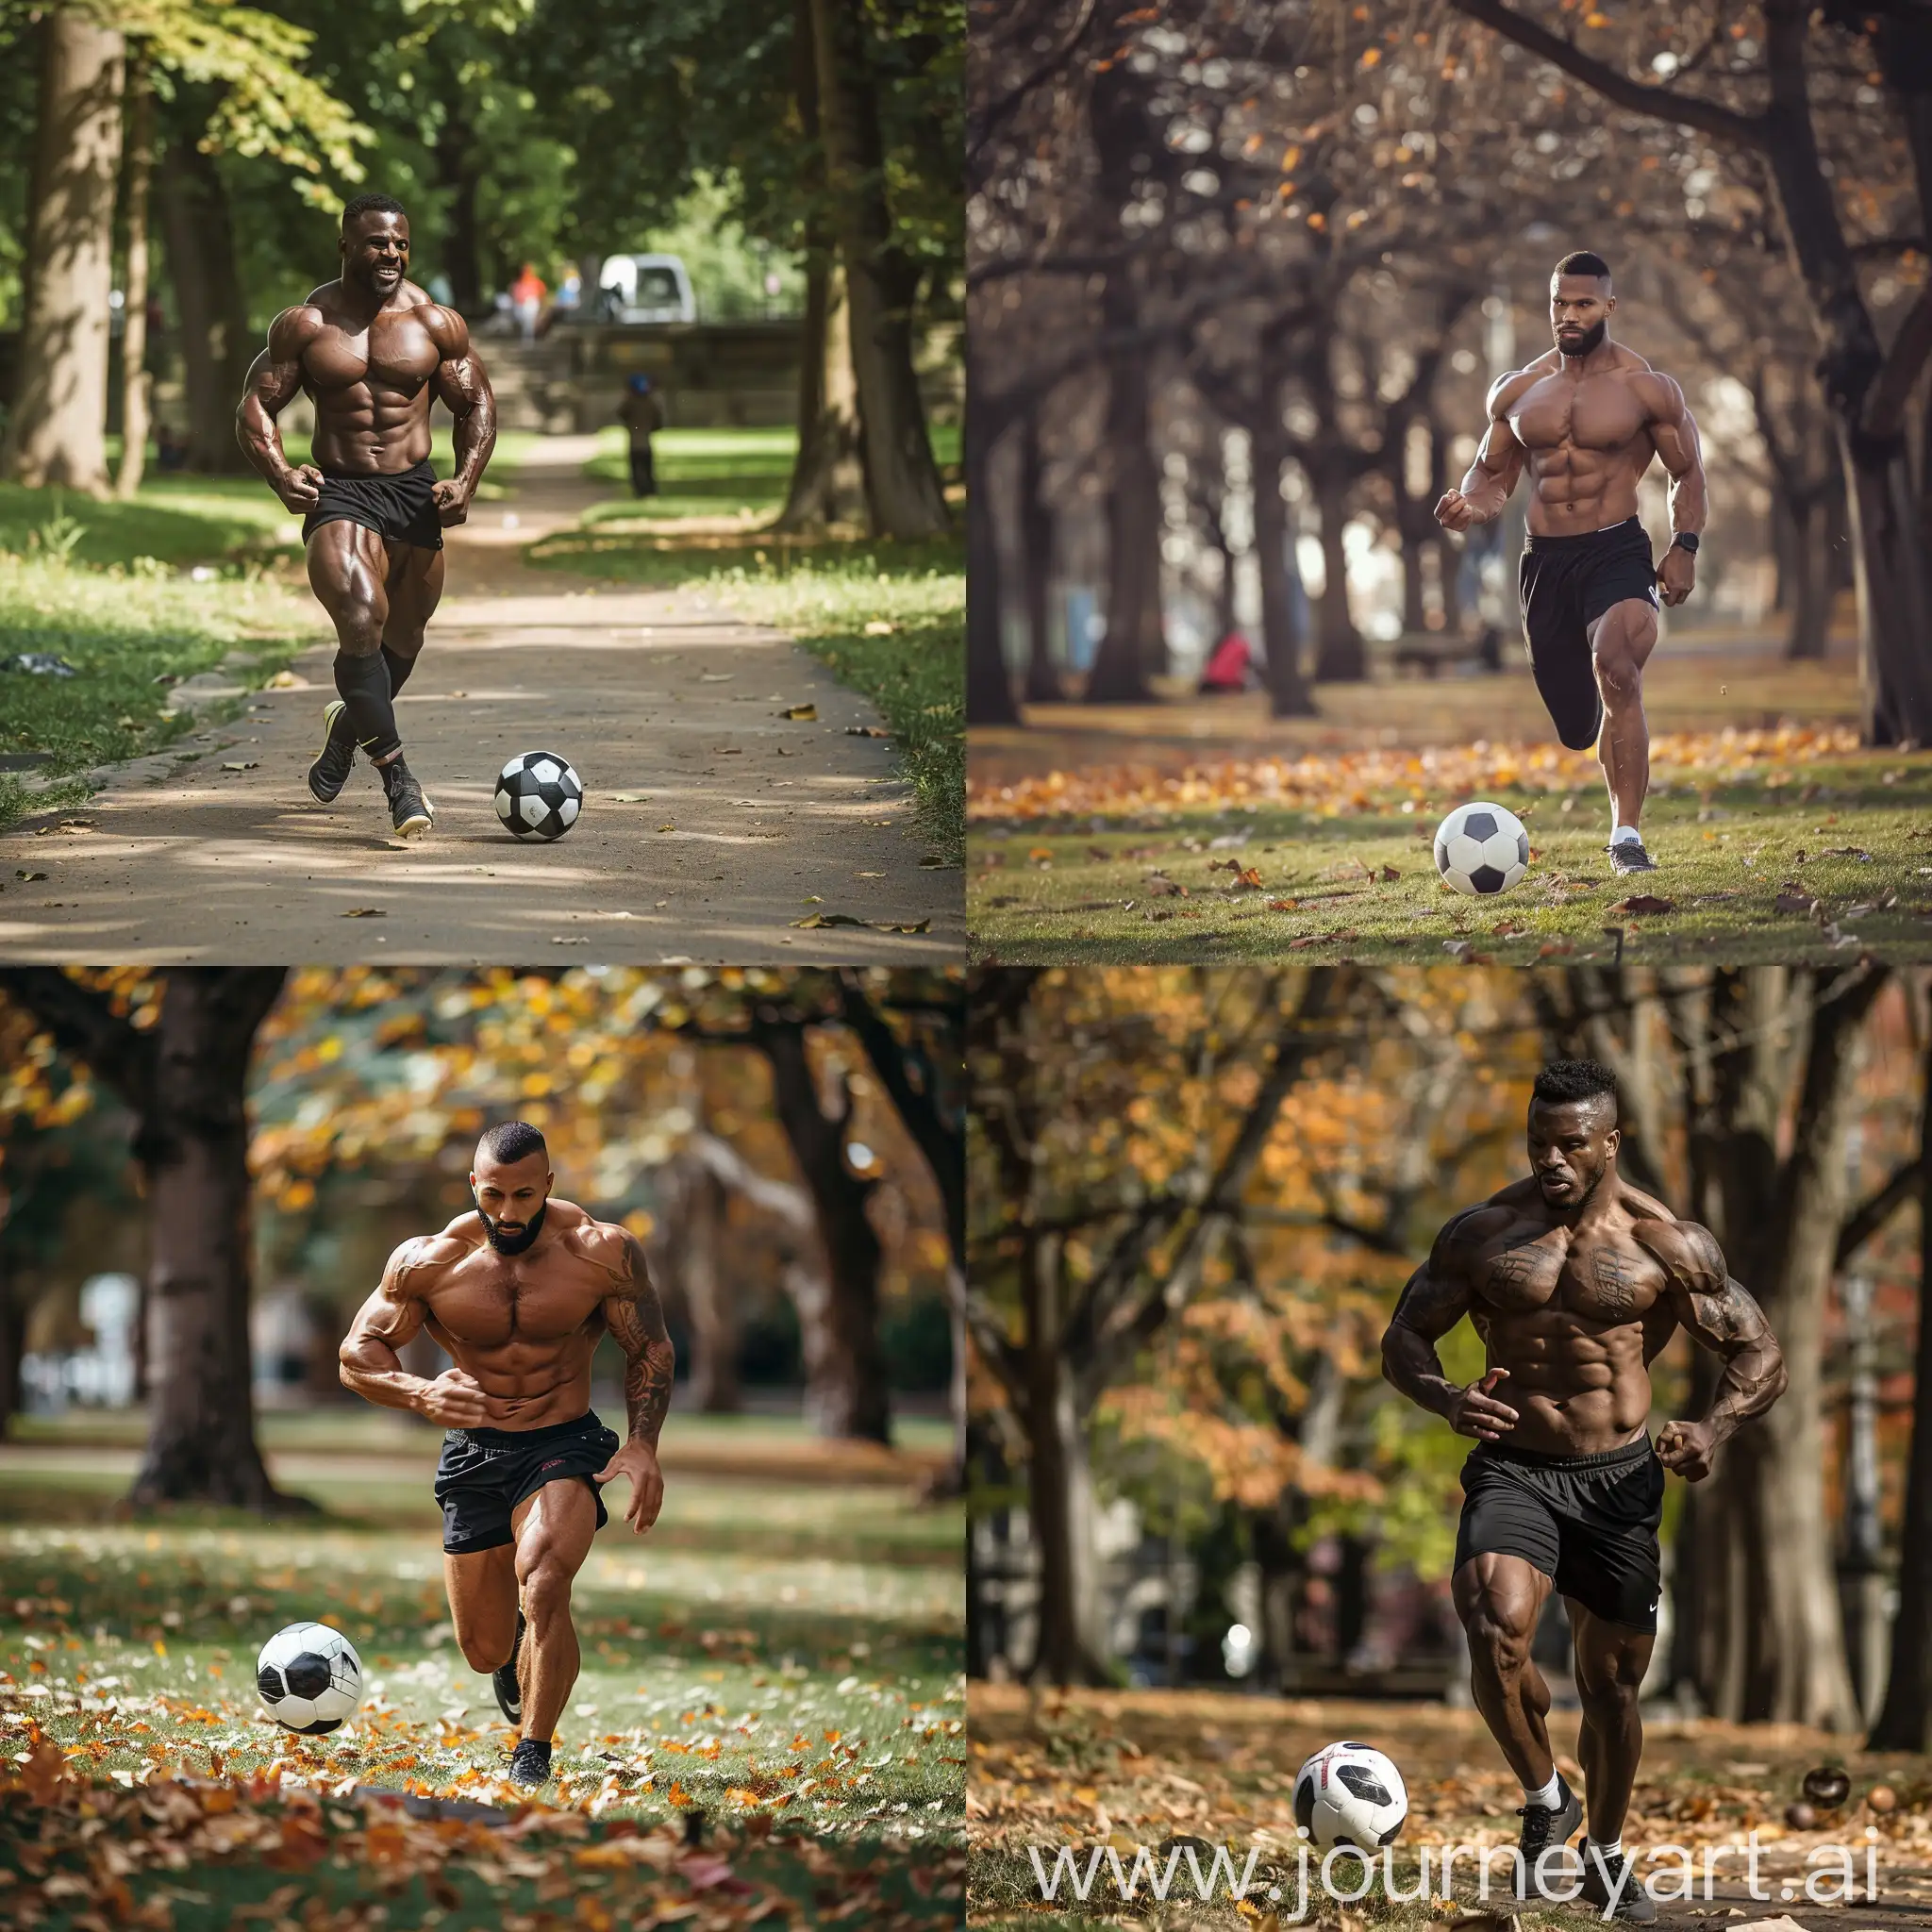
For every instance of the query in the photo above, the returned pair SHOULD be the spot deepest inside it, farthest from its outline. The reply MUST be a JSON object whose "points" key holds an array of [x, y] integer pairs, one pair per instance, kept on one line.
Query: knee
{"points": [[546, 1595], [1497, 1642], [1618, 680], [484, 1652], [1608, 1692], [404, 639], [358, 628]]}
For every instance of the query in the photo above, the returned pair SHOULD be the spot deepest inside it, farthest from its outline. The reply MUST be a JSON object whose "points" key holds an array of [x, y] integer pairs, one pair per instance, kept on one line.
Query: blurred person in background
{"points": [[642, 414]]}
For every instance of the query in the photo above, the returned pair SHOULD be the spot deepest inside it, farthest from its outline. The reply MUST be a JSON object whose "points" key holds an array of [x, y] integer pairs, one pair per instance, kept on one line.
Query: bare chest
{"points": [[1601, 1280], [492, 1300], [394, 353], [1599, 413]]}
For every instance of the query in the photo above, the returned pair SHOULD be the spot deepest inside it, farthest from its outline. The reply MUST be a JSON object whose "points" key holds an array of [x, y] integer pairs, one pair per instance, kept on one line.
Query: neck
{"points": [[1591, 359]]}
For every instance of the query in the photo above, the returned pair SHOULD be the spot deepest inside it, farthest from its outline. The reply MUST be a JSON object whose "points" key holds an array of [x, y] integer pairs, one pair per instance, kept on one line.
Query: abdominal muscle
{"points": [[369, 430], [1576, 491], [527, 1388]]}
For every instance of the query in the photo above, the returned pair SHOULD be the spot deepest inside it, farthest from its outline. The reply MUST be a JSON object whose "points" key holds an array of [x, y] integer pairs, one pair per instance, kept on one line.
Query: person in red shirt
{"points": [[526, 295]]}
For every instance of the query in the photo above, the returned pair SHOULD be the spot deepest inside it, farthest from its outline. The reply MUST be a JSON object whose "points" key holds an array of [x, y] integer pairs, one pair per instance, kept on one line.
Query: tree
{"points": [[134, 376], [1868, 385], [183, 1076]]}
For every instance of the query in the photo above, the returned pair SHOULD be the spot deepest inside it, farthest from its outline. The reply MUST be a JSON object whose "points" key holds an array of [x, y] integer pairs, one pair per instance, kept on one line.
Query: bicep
{"points": [[1672, 430], [1436, 1294], [460, 383], [1721, 1313], [633, 1311], [390, 1318], [1500, 454]]}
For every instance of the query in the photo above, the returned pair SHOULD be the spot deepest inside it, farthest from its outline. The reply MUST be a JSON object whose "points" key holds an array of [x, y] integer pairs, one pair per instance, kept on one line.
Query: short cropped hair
{"points": [[371, 205], [510, 1142], [1565, 1080], [1581, 261]]}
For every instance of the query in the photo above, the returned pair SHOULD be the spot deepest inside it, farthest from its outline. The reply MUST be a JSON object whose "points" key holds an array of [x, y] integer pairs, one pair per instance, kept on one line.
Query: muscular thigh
{"points": [[414, 586], [1607, 1655], [1623, 637], [554, 1526], [348, 569], [482, 1586], [1502, 1590]]}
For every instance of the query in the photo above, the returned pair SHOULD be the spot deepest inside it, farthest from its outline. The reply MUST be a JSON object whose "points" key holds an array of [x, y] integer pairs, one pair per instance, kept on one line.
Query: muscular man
{"points": [[519, 1293], [369, 350], [1587, 418], [1574, 1280]]}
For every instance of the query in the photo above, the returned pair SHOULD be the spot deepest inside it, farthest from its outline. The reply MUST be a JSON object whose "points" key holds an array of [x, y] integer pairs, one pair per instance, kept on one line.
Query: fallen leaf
{"points": [[1283, 905], [902, 926], [866, 731], [1846, 852], [868, 875], [29, 876], [805, 714], [1160, 887], [667, 828], [1644, 902], [556, 941], [1793, 902], [1248, 880], [365, 912], [715, 677], [812, 921], [240, 764]]}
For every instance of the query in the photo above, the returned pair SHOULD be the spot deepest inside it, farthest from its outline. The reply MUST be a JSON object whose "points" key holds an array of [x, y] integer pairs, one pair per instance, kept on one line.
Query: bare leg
{"points": [[1621, 642], [348, 569], [554, 1527], [482, 1589], [1611, 1659], [1499, 1599], [415, 589]]}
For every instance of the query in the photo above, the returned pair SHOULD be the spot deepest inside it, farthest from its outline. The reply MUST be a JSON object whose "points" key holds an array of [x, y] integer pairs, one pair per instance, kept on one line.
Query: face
{"points": [[1571, 1145], [375, 251], [1580, 308], [511, 1195]]}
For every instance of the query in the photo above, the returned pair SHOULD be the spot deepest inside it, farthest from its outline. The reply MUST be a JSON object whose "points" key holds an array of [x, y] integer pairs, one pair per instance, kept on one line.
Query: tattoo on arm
{"points": [[636, 1322], [1722, 1317], [1435, 1298]]}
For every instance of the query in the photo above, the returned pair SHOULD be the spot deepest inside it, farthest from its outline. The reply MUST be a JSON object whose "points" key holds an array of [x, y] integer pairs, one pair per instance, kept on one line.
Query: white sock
{"points": [[1619, 833], [1611, 1852], [1550, 1796]]}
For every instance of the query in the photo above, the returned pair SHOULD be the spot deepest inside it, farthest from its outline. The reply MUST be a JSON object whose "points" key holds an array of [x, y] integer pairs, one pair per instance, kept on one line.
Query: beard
{"points": [[1586, 343], [514, 1243]]}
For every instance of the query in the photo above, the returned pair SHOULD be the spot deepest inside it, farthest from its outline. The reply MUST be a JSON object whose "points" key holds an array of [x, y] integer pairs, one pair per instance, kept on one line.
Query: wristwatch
{"points": [[1685, 540]]}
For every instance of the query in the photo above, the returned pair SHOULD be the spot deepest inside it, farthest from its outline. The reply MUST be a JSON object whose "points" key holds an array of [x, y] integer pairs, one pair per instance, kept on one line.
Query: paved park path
{"points": [[711, 823]]}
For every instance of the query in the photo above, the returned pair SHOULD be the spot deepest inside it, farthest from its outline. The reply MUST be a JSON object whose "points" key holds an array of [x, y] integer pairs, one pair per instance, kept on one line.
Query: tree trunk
{"points": [[1895, 608], [848, 1395], [215, 347], [458, 174], [989, 682], [1135, 644], [1036, 550], [1339, 655], [1905, 1722], [12, 1327], [1805, 568], [1059, 1483], [699, 1238], [56, 426], [134, 379], [1289, 695], [902, 479]]}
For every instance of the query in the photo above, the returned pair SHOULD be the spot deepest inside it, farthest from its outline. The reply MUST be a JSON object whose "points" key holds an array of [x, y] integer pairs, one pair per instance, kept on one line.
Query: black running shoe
{"points": [[529, 1763], [1627, 855], [1635, 1907], [503, 1680], [411, 811], [337, 758], [1544, 1826]]}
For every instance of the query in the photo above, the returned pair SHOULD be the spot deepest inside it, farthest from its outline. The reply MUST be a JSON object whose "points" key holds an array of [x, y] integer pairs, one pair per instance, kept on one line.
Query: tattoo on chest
{"points": [[1617, 1282], [1520, 1270]]}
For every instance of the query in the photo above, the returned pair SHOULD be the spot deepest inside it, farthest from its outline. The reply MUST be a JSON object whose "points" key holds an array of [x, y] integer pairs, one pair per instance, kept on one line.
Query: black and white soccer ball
{"points": [[538, 795], [310, 1678], [1482, 848], [1350, 1794]]}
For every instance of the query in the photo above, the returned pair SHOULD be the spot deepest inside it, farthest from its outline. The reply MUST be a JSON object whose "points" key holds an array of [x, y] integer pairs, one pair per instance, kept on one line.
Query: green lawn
{"points": [[701, 472], [781, 1658], [1761, 859]]}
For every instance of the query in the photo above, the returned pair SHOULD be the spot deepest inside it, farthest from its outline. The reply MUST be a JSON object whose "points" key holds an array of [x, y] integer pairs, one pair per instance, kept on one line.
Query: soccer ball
{"points": [[310, 1678], [1350, 1794], [538, 795], [1482, 848]]}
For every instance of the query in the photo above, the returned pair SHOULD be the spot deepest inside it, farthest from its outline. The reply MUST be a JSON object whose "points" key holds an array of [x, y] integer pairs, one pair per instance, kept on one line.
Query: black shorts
{"points": [[1589, 1522], [399, 509], [485, 1474], [1566, 584]]}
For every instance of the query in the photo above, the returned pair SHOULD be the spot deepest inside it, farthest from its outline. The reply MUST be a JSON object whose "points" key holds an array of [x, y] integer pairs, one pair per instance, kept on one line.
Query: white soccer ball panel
{"points": [[512, 771], [1463, 854], [568, 810], [532, 809], [545, 771], [505, 804], [572, 780]]}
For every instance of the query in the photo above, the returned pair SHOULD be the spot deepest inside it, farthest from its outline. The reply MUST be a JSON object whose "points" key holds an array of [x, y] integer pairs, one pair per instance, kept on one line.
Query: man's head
{"points": [[1580, 302], [1573, 1130], [376, 244], [510, 1184]]}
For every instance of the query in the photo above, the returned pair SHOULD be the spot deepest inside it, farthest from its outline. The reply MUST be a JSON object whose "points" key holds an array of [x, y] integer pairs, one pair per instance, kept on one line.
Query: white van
{"points": [[644, 288]]}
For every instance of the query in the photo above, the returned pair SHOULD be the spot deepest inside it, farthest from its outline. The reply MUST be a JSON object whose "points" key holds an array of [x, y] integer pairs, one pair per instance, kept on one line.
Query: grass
{"points": [[778, 1657], [887, 619], [1805, 854], [702, 472]]}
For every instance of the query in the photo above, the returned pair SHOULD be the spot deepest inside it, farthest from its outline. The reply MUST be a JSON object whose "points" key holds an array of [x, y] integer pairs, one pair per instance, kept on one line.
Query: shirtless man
{"points": [[1575, 1281], [518, 1292], [1587, 418], [371, 349]]}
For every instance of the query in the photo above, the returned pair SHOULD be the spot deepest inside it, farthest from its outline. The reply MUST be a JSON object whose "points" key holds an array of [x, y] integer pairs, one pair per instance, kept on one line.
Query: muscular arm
{"points": [[1673, 431], [464, 389], [1435, 1298], [274, 382], [370, 1354], [1721, 1317], [636, 1320], [1498, 465]]}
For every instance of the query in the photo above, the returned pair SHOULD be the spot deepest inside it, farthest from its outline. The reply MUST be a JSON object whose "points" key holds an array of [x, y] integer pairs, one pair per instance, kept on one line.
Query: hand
{"points": [[1676, 576], [452, 502], [1456, 511], [455, 1399], [1685, 1449], [637, 1462], [1476, 1412], [301, 489]]}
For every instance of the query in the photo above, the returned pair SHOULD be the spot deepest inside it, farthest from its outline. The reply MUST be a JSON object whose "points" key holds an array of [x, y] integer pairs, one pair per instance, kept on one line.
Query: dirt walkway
{"points": [[710, 823]]}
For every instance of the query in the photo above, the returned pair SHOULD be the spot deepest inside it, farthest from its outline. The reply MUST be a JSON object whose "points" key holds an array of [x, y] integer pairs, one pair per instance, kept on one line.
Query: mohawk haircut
{"points": [[510, 1142], [1565, 1080], [371, 205]]}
